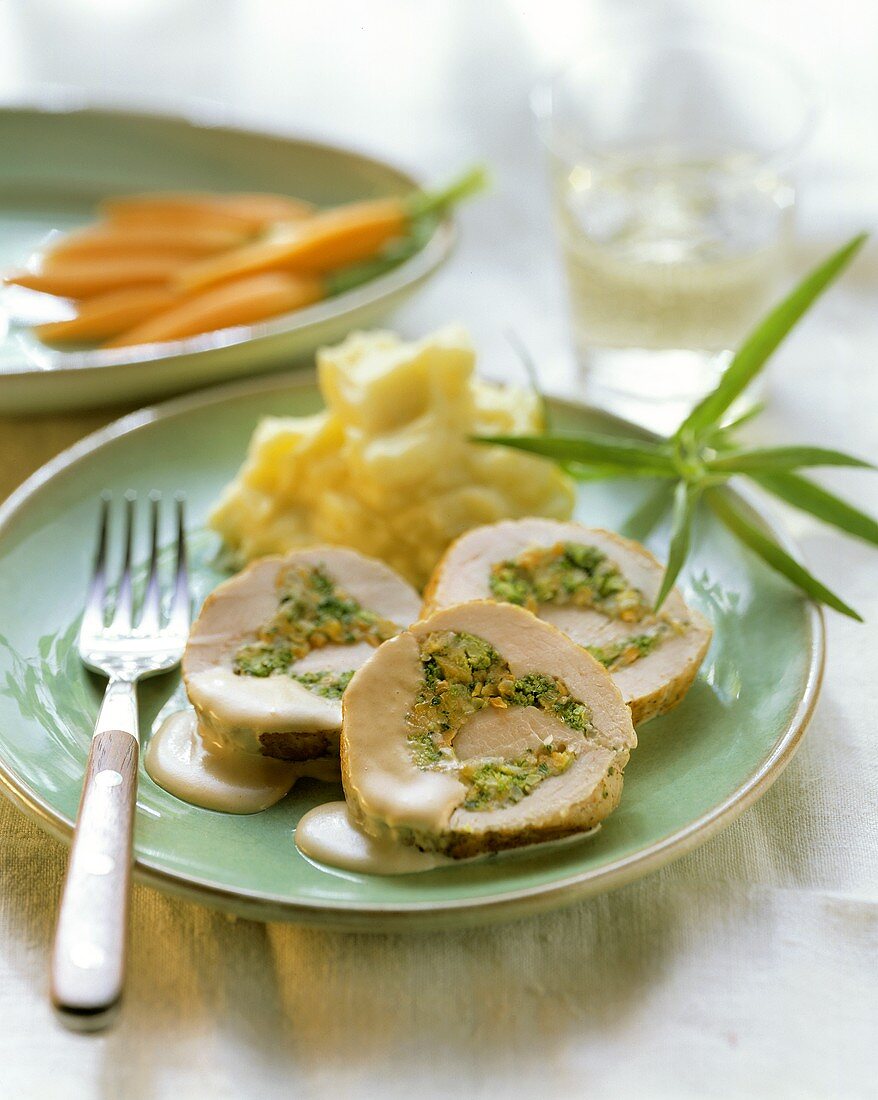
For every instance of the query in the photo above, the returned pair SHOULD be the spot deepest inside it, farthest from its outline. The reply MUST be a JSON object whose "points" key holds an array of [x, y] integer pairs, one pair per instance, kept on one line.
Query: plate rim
{"points": [[383, 916], [62, 100]]}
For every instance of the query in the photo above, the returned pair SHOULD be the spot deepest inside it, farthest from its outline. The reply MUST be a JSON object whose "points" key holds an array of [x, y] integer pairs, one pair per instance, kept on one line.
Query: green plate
{"points": [[60, 159], [693, 772]]}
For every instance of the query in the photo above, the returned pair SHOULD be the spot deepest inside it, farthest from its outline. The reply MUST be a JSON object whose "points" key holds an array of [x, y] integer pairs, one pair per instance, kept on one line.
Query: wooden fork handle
{"points": [[88, 960]]}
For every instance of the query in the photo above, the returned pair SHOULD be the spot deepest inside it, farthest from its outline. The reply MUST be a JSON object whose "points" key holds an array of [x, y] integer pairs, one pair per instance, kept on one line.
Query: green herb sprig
{"points": [[702, 455]]}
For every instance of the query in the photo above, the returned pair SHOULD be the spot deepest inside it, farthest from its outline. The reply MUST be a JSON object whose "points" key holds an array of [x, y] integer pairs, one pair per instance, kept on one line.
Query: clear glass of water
{"points": [[669, 165]]}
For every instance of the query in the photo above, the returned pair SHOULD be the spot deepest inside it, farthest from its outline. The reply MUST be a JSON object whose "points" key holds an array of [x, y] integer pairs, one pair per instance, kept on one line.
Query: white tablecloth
{"points": [[747, 968]]}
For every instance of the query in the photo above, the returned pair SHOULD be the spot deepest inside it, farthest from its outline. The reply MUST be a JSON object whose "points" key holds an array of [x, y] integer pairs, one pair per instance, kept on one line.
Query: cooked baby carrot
{"points": [[171, 265], [266, 208], [251, 212], [84, 278], [240, 303], [177, 218], [332, 239], [104, 239], [107, 315]]}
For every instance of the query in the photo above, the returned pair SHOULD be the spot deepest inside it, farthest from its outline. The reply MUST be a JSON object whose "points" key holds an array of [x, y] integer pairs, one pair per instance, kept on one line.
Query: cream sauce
{"points": [[386, 786], [178, 760], [379, 769], [236, 709], [327, 834]]}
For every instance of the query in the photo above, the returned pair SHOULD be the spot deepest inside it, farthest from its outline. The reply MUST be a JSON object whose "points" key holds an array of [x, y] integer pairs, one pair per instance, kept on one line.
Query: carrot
{"points": [[149, 273], [84, 278], [242, 211], [178, 217], [107, 315], [102, 240], [335, 238], [267, 207], [240, 303]]}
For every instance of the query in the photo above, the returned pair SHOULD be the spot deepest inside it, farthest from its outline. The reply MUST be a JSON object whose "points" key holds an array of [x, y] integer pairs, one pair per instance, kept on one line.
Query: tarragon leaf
{"points": [[591, 449], [772, 554], [685, 502], [722, 437], [819, 502], [579, 472], [769, 459], [749, 414], [764, 340]]}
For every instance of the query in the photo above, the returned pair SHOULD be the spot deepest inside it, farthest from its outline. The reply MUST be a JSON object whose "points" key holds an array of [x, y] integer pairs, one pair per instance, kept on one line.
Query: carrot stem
{"points": [[439, 201]]}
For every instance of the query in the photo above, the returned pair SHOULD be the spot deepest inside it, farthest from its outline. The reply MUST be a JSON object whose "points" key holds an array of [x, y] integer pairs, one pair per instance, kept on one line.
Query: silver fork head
{"points": [[111, 640]]}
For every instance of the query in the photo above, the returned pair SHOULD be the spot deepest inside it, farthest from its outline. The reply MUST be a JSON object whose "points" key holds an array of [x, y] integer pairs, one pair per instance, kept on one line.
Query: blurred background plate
{"points": [[60, 159]]}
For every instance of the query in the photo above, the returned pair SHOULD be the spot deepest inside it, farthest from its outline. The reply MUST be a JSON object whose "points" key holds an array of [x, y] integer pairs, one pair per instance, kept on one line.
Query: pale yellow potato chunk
{"points": [[389, 468]]}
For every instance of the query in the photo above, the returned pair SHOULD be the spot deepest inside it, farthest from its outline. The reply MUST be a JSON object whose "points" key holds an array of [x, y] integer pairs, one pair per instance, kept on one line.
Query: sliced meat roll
{"points": [[482, 728], [595, 586], [275, 646]]}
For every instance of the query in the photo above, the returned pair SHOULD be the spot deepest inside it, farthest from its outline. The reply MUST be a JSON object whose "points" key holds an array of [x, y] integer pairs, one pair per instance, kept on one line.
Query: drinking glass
{"points": [[669, 167]]}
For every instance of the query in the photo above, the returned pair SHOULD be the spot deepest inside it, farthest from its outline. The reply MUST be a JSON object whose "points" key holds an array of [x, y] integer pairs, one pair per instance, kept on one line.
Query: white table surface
{"points": [[747, 968]]}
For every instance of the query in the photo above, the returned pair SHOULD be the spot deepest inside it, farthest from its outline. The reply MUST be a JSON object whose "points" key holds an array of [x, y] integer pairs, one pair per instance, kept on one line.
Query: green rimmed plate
{"points": [[61, 157], [693, 772]]}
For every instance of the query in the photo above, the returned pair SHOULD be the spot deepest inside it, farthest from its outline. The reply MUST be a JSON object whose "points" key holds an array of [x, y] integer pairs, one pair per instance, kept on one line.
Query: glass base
{"points": [[654, 388]]}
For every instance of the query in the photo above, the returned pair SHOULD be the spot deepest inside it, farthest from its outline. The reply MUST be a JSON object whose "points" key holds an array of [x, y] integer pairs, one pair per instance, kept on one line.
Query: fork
{"points": [[88, 959]]}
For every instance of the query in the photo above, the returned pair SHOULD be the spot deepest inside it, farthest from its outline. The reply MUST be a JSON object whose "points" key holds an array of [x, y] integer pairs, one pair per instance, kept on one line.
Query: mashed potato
{"points": [[388, 468]]}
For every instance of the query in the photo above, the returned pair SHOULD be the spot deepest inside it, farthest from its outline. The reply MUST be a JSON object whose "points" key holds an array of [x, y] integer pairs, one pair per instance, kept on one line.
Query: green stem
{"points": [[438, 201], [424, 208], [348, 278]]}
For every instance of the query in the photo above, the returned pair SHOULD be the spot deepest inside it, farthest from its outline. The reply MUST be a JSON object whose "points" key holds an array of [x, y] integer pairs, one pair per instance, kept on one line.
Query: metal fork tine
{"points": [[181, 605], [123, 614], [93, 615], [151, 615]]}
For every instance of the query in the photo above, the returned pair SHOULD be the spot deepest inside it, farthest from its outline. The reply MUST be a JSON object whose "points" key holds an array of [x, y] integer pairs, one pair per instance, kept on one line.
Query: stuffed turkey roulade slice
{"points": [[482, 728], [274, 648], [595, 586]]}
